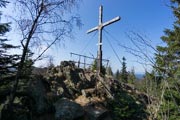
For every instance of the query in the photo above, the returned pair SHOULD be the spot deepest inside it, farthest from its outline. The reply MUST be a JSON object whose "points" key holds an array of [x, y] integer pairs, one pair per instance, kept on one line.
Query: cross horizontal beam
{"points": [[104, 24], [111, 21]]}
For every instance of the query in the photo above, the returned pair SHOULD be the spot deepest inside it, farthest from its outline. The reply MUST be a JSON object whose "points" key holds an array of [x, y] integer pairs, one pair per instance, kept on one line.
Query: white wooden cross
{"points": [[99, 28]]}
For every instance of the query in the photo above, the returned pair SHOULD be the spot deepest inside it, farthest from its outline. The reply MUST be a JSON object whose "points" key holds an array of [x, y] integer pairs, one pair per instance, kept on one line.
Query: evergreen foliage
{"points": [[124, 73], [109, 71], [126, 107], [117, 75], [131, 76], [168, 65], [94, 67], [8, 62], [170, 107], [168, 56]]}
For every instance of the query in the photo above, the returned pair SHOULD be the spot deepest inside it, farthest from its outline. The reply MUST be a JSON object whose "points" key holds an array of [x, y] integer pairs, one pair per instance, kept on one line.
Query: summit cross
{"points": [[100, 28]]}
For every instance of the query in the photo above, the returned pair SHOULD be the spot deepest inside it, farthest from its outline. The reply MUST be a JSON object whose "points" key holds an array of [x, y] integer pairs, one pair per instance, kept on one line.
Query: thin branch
{"points": [[47, 48]]}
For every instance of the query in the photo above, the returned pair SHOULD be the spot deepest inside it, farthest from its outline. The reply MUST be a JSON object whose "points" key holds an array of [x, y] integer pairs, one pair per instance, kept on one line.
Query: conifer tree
{"points": [[124, 73], [117, 75], [168, 56], [94, 67], [109, 71], [131, 76], [168, 64], [8, 62]]}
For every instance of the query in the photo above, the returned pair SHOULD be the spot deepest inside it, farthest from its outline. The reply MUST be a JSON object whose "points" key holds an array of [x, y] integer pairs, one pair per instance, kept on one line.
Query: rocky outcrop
{"points": [[67, 92], [82, 87], [69, 81]]}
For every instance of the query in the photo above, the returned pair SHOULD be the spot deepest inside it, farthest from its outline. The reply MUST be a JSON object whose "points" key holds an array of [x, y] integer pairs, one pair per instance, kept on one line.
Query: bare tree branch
{"points": [[38, 19]]}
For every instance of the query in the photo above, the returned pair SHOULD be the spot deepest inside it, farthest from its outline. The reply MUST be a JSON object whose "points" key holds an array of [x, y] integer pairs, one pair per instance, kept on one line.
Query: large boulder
{"points": [[68, 110], [94, 112], [38, 90]]}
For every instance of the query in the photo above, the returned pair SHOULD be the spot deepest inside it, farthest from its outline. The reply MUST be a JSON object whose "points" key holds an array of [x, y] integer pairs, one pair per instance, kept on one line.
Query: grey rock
{"points": [[67, 110], [96, 113], [37, 90]]}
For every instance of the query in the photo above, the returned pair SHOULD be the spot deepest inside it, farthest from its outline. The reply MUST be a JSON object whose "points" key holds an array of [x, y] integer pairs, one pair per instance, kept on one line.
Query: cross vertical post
{"points": [[99, 62], [99, 28]]}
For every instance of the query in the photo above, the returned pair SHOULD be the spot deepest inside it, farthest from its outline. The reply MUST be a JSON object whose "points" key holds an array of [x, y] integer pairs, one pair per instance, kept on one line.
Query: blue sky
{"points": [[147, 17]]}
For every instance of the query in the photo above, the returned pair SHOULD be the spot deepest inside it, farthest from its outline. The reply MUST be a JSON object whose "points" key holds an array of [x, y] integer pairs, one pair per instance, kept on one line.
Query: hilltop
{"points": [[67, 92]]}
